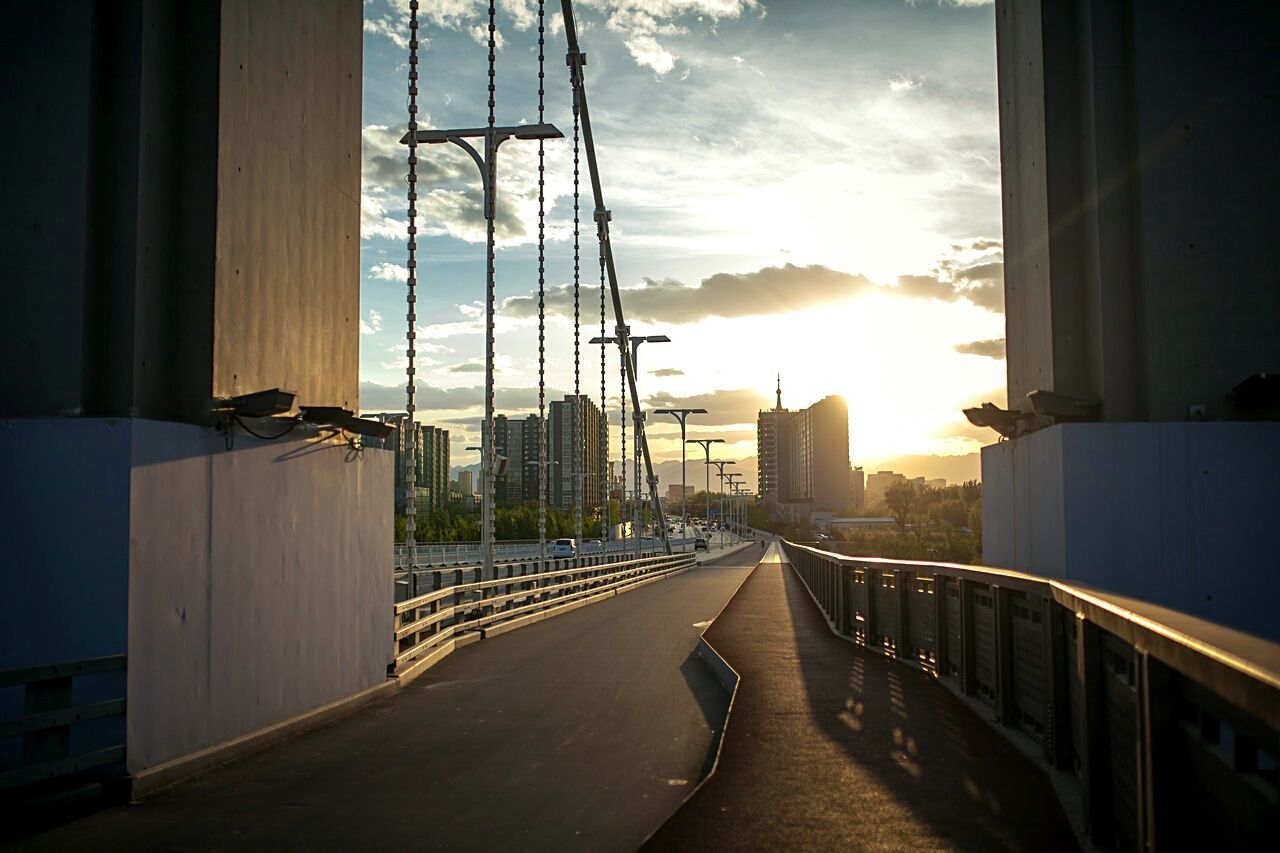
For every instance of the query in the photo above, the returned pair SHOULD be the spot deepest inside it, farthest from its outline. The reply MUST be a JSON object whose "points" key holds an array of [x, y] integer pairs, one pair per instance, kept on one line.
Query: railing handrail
{"points": [[1075, 595], [1131, 698], [473, 586], [46, 721], [421, 637]]}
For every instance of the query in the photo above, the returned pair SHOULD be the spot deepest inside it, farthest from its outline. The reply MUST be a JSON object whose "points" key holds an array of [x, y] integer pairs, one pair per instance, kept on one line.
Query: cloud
{"points": [[646, 51], [772, 290], [375, 397], [389, 272], [990, 349], [731, 406], [668, 371], [902, 83], [372, 325], [374, 221], [467, 367]]}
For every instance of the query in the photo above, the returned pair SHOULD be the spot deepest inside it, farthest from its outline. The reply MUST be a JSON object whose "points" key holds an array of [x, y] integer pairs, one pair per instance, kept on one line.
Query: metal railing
{"points": [[428, 625], [455, 553], [46, 740], [1169, 725]]}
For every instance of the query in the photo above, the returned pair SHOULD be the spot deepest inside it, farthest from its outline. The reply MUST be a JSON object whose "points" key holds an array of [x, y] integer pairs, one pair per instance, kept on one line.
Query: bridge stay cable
{"points": [[410, 433], [544, 458], [576, 59]]}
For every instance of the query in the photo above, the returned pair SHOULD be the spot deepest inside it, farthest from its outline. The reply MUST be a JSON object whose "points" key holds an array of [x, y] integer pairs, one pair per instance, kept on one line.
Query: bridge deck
{"points": [[583, 732], [831, 747]]}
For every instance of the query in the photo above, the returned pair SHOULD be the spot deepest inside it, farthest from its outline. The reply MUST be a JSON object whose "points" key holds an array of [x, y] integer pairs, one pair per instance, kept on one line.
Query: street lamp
{"points": [[681, 415], [733, 487], [721, 463], [622, 338], [706, 450], [493, 137]]}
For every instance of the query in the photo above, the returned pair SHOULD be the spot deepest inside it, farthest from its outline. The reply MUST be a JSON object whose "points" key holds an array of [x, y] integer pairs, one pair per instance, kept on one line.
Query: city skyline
{"points": [[906, 297]]}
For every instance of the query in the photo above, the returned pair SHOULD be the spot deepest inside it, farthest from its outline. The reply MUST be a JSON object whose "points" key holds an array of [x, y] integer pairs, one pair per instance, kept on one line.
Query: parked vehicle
{"points": [[564, 548], [700, 543]]}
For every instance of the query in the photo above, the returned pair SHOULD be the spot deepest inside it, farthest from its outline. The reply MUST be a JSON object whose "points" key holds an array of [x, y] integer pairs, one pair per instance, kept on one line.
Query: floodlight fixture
{"points": [[369, 427], [1007, 423], [326, 415], [258, 404]]}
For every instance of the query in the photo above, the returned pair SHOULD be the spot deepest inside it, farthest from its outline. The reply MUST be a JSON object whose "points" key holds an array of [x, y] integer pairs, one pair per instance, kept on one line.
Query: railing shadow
{"points": [[926, 749]]}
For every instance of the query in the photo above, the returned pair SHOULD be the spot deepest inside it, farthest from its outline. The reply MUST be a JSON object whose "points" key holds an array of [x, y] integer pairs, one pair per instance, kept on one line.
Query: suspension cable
{"points": [[604, 421], [411, 433], [622, 419], [579, 403], [543, 455], [489, 463]]}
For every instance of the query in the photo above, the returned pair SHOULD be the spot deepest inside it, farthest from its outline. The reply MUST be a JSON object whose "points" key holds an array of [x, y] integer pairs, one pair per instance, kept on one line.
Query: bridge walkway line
{"points": [[831, 747], [582, 732]]}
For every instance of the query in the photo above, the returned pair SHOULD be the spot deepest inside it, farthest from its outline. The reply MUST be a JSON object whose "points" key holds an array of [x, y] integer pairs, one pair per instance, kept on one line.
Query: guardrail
{"points": [[1169, 725], [428, 626], [456, 553], [49, 726]]}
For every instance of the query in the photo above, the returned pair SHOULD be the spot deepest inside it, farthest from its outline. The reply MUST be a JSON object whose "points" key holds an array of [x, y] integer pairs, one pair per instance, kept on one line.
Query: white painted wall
{"points": [[1181, 514], [259, 585]]}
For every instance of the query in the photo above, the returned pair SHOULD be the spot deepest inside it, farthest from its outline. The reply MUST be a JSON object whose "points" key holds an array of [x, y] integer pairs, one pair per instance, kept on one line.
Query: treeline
{"points": [[453, 524], [941, 525]]}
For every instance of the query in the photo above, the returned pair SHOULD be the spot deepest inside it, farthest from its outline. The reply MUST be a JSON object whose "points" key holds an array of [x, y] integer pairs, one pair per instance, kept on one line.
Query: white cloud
{"points": [[389, 272], [903, 83], [646, 51], [374, 221], [372, 325]]}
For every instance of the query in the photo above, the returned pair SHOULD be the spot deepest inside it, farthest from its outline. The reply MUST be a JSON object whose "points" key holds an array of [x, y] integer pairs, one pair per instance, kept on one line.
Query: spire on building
{"points": [[779, 406]]}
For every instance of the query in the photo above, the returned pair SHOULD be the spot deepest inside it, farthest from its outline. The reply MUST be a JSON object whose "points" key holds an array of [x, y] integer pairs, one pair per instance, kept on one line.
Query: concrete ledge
{"points": [[725, 674], [148, 781]]}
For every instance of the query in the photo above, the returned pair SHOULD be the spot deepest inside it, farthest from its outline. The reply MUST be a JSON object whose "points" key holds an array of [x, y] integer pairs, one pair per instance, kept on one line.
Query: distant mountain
{"points": [[953, 469]]}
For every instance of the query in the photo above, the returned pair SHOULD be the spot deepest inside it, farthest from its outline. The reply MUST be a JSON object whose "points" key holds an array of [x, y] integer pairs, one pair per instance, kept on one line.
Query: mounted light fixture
{"points": [[259, 404]]}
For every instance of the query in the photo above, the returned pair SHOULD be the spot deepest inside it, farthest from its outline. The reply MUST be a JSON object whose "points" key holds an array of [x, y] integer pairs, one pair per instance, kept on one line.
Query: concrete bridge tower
{"points": [[181, 224], [1140, 194]]}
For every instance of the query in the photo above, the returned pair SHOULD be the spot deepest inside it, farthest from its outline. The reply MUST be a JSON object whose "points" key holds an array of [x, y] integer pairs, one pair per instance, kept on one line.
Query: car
{"points": [[564, 548], [700, 543]]}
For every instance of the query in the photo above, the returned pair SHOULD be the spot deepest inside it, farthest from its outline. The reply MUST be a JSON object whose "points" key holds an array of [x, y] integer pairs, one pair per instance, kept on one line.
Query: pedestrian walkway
{"points": [[830, 747]]}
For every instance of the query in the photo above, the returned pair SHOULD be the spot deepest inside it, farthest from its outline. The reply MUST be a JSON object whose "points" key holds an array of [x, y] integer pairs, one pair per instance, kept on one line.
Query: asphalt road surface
{"points": [[583, 732]]}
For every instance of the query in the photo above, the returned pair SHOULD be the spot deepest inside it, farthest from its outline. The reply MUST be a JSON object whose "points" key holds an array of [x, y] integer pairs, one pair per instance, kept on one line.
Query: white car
{"points": [[564, 548]]}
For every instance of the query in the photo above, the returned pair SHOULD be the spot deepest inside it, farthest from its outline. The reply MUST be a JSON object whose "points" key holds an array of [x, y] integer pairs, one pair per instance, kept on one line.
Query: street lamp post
{"points": [[682, 415], [622, 339], [733, 487], [493, 138], [720, 463], [706, 443]]}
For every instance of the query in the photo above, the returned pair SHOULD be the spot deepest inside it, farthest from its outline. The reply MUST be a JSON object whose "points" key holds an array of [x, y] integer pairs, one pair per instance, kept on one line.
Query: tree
{"points": [[901, 499]]}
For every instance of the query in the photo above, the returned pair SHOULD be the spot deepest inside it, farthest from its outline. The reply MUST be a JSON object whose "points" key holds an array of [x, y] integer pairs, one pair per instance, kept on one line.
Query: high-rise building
{"points": [[466, 483], [857, 489], [508, 441], [431, 469], [768, 424], [803, 455], [560, 437]]}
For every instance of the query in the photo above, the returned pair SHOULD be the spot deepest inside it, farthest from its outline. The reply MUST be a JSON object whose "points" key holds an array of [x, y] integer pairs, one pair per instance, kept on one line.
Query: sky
{"points": [[802, 188]]}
